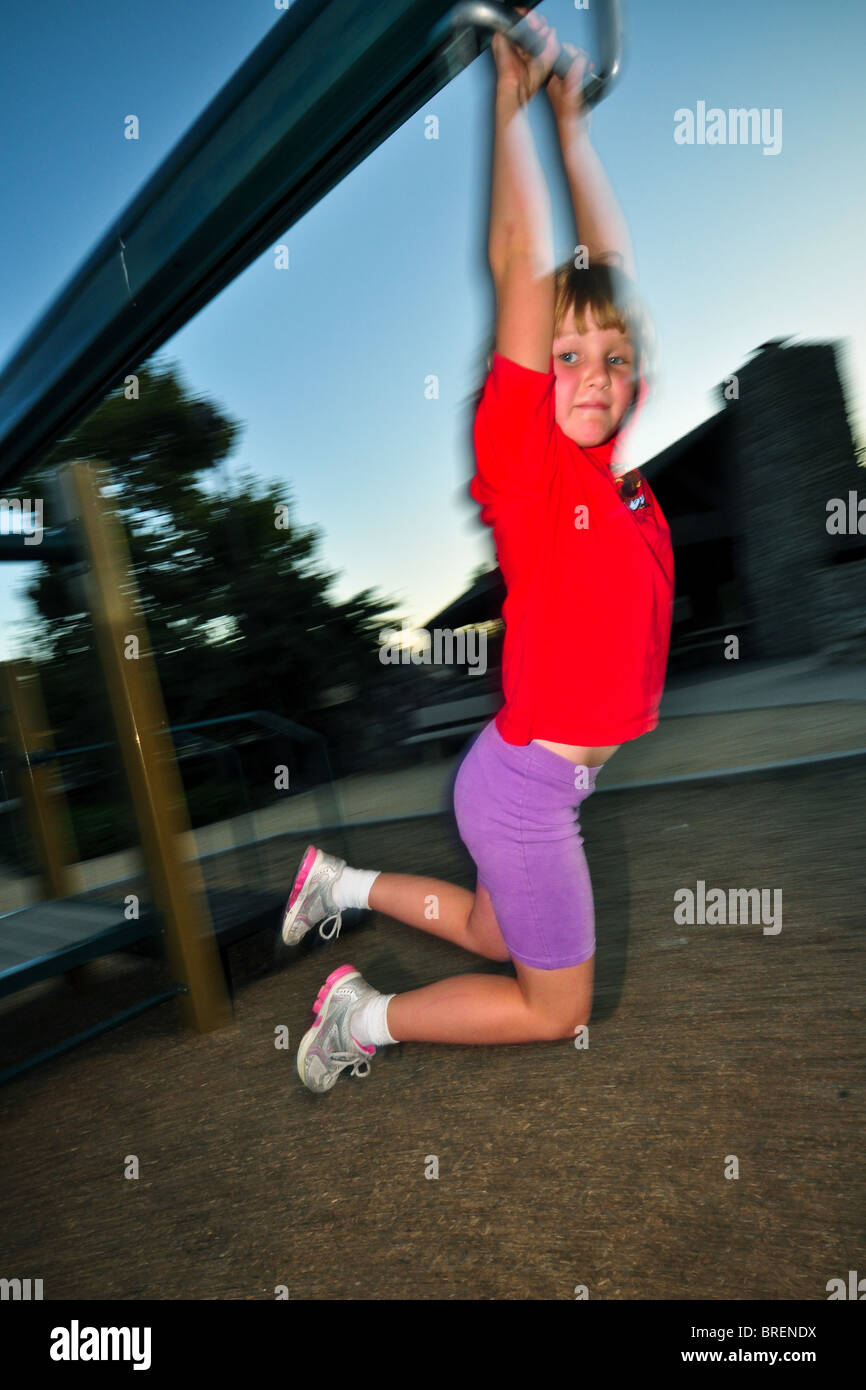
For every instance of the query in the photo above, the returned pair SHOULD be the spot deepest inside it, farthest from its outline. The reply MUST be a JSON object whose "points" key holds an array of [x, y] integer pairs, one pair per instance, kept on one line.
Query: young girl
{"points": [[588, 567]]}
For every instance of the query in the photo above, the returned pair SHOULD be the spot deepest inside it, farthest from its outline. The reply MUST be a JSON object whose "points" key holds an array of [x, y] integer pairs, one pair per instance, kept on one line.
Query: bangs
{"points": [[609, 296]]}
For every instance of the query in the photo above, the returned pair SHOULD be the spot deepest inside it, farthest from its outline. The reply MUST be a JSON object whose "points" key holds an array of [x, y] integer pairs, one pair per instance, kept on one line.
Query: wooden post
{"points": [[39, 787], [147, 748]]}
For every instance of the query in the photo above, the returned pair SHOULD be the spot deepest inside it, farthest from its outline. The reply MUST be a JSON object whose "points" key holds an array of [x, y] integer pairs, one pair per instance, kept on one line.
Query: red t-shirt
{"points": [[589, 573]]}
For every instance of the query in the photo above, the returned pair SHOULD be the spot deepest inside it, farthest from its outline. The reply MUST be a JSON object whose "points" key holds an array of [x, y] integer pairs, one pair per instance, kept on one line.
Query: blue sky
{"points": [[325, 363]]}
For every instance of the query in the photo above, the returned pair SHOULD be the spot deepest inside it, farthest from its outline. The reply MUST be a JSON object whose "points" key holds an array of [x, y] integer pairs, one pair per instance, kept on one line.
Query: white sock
{"points": [[370, 1021], [352, 887]]}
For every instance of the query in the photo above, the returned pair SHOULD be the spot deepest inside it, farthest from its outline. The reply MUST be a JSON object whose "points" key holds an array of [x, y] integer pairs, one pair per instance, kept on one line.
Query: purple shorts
{"points": [[516, 810]]}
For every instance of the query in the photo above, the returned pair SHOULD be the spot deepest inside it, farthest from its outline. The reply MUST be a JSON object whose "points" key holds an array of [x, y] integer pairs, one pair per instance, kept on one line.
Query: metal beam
{"points": [[327, 85], [56, 544]]}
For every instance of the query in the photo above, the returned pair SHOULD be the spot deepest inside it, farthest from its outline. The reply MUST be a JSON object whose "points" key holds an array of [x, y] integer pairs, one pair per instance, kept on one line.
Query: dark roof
{"points": [[705, 433]]}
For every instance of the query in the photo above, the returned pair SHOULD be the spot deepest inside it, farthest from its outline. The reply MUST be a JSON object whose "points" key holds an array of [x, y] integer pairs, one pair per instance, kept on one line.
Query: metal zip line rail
{"points": [[461, 24], [325, 87]]}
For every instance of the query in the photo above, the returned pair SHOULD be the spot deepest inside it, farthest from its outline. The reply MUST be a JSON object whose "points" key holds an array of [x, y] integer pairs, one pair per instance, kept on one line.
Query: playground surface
{"points": [[607, 1167]]}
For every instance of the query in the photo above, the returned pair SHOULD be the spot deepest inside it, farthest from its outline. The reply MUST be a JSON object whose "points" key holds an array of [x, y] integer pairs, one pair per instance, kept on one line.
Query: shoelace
{"points": [[346, 1057], [329, 935]]}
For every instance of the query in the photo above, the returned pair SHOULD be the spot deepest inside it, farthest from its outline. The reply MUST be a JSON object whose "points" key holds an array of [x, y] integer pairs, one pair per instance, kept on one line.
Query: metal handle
{"points": [[458, 28]]}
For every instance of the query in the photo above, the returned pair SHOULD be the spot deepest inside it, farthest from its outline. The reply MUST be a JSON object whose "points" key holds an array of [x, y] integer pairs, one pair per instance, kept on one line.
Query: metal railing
{"points": [[459, 31], [325, 792]]}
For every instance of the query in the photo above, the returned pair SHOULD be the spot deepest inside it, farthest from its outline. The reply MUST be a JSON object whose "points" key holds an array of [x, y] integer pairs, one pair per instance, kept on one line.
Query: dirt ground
{"points": [[713, 1050]]}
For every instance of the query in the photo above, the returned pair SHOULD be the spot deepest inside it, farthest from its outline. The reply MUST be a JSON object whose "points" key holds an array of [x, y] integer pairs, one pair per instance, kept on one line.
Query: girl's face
{"points": [[595, 380]]}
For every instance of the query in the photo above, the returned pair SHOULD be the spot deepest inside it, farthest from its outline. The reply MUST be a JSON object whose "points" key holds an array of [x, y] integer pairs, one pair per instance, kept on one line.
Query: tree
{"points": [[237, 607]]}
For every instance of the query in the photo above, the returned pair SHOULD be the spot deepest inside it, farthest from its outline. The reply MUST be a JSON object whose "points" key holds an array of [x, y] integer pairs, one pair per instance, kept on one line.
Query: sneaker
{"points": [[310, 900], [328, 1047]]}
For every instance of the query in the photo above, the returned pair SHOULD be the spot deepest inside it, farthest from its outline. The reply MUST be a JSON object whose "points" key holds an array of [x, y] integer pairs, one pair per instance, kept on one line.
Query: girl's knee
{"points": [[554, 1027], [562, 1018], [559, 1006]]}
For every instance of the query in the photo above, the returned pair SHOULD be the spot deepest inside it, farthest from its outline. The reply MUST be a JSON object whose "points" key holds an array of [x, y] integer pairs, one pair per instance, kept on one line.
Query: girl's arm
{"points": [[521, 245], [520, 213], [520, 242], [601, 226]]}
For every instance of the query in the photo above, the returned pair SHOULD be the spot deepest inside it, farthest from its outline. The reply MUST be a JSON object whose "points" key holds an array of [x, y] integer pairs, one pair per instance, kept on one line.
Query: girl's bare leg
{"points": [[443, 910], [539, 1004]]}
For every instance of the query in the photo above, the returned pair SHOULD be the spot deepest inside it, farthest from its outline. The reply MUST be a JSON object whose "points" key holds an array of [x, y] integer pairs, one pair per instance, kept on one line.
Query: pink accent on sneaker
{"points": [[301, 877], [338, 974], [332, 978], [363, 1046]]}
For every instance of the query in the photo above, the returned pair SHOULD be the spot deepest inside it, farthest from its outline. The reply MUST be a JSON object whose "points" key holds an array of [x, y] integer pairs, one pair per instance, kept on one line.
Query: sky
{"points": [[325, 363]]}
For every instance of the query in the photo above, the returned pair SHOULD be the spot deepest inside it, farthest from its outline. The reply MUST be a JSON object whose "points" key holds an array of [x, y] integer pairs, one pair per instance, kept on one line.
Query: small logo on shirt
{"points": [[631, 490]]}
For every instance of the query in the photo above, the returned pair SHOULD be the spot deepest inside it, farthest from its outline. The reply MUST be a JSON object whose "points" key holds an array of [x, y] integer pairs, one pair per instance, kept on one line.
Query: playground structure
{"points": [[66, 931], [326, 86]]}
